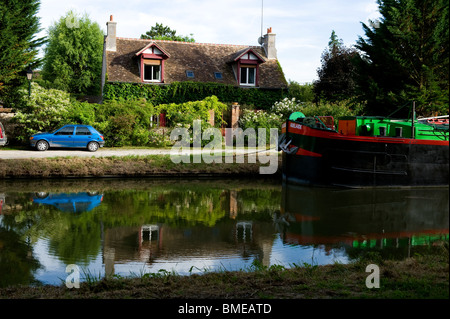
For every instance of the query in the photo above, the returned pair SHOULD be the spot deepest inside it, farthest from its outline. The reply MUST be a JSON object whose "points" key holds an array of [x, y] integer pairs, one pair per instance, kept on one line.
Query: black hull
{"points": [[358, 163]]}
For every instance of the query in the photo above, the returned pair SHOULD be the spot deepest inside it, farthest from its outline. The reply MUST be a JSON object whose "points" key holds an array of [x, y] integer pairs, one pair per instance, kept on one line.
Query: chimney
{"points": [[111, 35], [268, 43]]}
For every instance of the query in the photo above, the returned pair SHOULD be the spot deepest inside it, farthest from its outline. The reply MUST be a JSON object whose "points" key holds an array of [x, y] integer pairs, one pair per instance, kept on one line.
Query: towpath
{"points": [[103, 152]]}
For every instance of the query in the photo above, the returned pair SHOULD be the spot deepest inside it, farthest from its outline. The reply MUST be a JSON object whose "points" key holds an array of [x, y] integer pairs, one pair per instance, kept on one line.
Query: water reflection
{"points": [[135, 226], [388, 220], [69, 202]]}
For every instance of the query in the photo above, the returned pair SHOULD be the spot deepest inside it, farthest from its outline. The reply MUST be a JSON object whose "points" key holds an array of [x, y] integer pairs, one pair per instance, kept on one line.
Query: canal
{"points": [[130, 227]]}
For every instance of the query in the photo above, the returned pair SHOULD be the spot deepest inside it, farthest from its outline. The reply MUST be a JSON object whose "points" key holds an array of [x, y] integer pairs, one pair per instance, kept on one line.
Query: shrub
{"points": [[186, 113], [286, 106], [335, 109], [260, 119], [44, 111], [122, 122]]}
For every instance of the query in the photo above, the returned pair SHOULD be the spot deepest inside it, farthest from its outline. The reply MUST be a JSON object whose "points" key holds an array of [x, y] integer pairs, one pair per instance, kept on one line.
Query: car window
{"points": [[68, 130], [81, 130]]}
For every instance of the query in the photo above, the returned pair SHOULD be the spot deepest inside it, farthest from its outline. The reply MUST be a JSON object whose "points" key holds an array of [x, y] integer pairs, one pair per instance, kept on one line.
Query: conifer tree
{"points": [[406, 57], [18, 46]]}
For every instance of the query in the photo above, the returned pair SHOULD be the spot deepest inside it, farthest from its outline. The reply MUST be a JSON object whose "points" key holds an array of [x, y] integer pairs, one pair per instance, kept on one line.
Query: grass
{"points": [[423, 276], [123, 166]]}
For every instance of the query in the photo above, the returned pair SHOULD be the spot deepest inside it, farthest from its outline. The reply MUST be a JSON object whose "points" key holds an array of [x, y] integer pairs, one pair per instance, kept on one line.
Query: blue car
{"points": [[77, 136]]}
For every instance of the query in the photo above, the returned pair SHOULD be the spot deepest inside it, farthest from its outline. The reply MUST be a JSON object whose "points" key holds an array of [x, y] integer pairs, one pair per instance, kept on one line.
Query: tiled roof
{"points": [[202, 58]]}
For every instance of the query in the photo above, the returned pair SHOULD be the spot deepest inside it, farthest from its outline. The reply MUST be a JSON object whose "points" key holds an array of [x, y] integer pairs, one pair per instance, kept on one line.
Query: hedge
{"points": [[181, 92]]}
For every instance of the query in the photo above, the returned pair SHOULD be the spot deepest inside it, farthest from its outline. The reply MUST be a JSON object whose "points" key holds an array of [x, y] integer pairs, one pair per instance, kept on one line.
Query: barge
{"points": [[364, 151]]}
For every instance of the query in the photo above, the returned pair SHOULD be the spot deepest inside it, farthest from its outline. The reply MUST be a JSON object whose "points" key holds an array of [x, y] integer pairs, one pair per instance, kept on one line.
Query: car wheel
{"points": [[92, 146], [42, 145]]}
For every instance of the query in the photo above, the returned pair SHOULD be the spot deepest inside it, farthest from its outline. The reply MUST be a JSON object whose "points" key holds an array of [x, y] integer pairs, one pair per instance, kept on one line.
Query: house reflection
{"points": [[152, 242]]}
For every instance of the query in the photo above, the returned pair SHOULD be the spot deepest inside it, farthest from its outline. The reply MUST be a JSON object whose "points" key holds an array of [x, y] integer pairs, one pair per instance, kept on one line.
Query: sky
{"points": [[302, 27]]}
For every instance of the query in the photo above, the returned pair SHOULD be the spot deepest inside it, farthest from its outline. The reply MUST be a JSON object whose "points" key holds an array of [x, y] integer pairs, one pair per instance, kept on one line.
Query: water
{"points": [[129, 227]]}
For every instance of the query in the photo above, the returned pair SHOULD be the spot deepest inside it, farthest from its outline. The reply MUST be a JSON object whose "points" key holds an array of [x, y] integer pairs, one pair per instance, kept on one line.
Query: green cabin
{"points": [[381, 126]]}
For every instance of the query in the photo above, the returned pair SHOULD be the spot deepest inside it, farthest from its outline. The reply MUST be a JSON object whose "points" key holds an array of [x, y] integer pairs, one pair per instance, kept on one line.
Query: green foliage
{"points": [[335, 109], [336, 75], [186, 113], [256, 119], [303, 93], [18, 46], [287, 106], [406, 57], [42, 112], [122, 122], [181, 92], [161, 32], [73, 56], [282, 109]]}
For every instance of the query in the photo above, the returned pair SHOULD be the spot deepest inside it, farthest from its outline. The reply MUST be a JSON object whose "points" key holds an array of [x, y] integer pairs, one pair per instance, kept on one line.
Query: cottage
{"points": [[161, 62]]}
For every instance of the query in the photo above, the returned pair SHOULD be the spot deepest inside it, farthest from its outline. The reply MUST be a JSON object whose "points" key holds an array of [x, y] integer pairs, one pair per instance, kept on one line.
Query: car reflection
{"points": [[69, 202]]}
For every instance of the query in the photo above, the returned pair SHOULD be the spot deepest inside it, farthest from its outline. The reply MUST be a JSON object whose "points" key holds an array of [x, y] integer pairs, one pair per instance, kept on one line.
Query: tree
{"points": [[161, 32], [301, 92], [73, 56], [406, 57], [336, 75], [18, 46]]}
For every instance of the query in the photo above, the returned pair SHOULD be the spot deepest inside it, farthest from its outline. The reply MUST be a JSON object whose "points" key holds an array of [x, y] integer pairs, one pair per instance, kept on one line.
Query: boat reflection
{"points": [[69, 202], [363, 217]]}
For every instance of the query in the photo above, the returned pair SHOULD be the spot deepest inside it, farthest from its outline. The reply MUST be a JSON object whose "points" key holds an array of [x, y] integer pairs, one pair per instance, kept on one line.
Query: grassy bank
{"points": [[423, 276], [123, 166]]}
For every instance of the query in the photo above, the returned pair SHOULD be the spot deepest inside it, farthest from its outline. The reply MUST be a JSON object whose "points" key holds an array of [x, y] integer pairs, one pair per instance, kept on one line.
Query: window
{"points": [[218, 75], [68, 130], [248, 75], [190, 74], [152, 73], [82, 131]]}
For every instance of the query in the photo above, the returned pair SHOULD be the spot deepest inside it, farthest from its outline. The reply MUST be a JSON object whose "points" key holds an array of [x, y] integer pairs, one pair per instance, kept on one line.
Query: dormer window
{"points": [[152, 71], [151, 63], [246, 67], [248, 75]]}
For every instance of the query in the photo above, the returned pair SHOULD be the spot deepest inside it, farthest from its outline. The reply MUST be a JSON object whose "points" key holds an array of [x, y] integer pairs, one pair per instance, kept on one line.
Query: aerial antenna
{"points": [[262, 18]]}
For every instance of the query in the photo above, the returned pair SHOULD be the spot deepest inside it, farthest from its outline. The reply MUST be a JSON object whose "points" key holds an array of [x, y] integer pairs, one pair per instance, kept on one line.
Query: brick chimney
{"points": [[268, 43], [111, 35]]}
